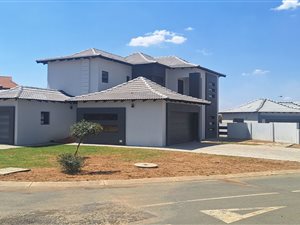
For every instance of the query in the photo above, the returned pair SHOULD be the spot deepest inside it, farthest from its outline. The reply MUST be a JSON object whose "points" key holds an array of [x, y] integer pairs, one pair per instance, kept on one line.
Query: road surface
{"points": [[261, 200]]}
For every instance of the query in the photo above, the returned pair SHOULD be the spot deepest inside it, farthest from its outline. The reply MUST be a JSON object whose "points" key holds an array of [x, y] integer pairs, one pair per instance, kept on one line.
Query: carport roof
{"points": [[264, 105], [33, 93], [138, 89]]}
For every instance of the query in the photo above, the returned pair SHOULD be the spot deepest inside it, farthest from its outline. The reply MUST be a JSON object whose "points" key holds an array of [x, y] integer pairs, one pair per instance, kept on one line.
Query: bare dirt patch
{"points": [[170, 164]]}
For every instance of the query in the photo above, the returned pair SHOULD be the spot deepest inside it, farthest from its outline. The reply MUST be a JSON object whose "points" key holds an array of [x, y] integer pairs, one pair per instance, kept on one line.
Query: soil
{"points": [[172, 164]]}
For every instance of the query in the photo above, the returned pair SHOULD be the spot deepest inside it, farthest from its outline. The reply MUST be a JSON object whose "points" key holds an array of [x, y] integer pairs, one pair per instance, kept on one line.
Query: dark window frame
{"points": [[180, 86], [105, 77], [100, 116], [45, 118], [238, 120]]}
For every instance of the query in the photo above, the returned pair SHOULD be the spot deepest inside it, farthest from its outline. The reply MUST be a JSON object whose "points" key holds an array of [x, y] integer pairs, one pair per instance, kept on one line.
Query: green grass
{"points": [[39, 157]]}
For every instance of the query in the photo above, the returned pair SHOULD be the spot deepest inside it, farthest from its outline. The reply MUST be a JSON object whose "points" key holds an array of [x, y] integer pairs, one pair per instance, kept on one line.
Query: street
{"points": [[260, 200]]}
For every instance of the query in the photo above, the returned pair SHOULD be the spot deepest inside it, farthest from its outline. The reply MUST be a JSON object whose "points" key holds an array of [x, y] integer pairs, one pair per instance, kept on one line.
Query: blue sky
{"points": [[253, 42]]}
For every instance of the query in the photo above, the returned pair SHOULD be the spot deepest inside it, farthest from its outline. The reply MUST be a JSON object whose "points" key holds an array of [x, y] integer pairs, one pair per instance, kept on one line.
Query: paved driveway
{"points": [[7, 146], [254, 151]]}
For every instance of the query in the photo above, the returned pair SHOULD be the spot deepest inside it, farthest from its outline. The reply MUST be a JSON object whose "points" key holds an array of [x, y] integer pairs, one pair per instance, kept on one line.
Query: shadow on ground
{"points": [[196, 145]]}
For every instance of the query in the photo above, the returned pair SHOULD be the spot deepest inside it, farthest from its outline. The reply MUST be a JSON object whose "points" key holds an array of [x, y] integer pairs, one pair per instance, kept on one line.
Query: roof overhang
{"points": [[45, 61], [204, 102]]}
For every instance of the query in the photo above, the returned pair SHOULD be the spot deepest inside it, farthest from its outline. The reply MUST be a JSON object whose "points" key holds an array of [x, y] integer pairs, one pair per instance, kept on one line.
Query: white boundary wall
{"points": [[275, 132]]}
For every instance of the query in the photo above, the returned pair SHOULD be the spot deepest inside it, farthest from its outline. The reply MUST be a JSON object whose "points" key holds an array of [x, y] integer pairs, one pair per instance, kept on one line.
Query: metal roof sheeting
{"points": [[138, 89], [264, 105]]}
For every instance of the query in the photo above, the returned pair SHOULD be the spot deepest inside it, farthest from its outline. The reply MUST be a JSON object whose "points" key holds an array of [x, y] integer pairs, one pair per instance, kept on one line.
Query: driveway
{"points": [[7, 146], [253, 151]]}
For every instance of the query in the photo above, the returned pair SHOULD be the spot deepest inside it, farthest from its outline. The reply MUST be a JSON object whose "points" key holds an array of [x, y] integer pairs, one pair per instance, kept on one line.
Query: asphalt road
{"points": [[263, 200]]}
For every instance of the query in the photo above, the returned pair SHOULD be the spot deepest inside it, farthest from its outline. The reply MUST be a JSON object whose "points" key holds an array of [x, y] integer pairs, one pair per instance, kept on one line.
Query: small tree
{"points": [[82, 130]]}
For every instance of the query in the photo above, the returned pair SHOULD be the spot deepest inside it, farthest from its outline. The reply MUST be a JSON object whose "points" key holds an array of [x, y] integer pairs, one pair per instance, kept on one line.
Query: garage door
{"points": [[7, 117], [182, 124], [111, 119]]}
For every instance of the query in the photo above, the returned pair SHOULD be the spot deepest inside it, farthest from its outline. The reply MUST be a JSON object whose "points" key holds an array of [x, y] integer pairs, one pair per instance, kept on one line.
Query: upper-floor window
{"points": [[212, 84], [45, 118], [104, 77], [180, 86]]}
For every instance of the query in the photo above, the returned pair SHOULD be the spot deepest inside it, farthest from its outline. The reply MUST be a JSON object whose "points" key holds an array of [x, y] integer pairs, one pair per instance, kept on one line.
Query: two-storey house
{"points": [[139, 99]]}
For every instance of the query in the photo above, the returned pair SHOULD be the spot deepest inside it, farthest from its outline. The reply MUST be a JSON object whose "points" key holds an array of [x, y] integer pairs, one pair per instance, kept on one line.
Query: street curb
{"points": [[111, 183]]}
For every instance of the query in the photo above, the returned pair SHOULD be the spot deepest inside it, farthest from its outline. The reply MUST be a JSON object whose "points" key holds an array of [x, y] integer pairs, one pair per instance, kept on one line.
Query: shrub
{"points": [[70, 163], [84, 129]]}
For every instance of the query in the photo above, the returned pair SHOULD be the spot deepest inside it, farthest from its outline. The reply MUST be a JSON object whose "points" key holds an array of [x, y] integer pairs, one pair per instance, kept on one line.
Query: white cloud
{"points": [[287, 5], [204, 52], [189, 29], [256, 72], [157, 37]]}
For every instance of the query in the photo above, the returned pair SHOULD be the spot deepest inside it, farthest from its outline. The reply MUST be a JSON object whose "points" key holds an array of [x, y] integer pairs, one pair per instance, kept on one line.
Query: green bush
{"points": [[83, 129], [70, 164]]}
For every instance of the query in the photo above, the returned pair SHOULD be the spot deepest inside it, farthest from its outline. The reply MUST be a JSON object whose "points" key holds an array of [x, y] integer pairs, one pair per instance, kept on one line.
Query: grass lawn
{"points": [[117, 163], [45, 157]]}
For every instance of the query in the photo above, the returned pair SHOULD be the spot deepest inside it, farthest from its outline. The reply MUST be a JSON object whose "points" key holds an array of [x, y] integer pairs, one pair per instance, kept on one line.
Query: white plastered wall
{"points": [[29, 130], [145, 122], [77, 77]]}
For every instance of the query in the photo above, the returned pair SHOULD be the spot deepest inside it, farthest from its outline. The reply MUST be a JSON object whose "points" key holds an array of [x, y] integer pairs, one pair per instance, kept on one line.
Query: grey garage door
{"points": [[111, 119], [182, 123], [7, 118]]}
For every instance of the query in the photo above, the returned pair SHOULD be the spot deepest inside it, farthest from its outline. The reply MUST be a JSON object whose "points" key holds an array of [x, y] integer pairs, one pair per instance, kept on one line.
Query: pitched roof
{"points": [[295, 105], [263, 105], [91, 52], [174, 62], [169, 61], [6, 82], [140, 58], [133, 59], [33, 93], [138, 89]]}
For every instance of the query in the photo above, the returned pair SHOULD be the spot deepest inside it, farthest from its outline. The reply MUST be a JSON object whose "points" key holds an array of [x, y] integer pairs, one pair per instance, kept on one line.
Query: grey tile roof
{"points": [[140, 58], [174, 62], [138, 89], [32, 93], [133, 59], [295, 105], [92, 52], [263, 105], [169, 61]]}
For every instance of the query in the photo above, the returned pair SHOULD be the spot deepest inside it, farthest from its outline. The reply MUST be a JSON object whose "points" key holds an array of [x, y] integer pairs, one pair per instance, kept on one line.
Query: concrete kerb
{"points": [[112, 183]]}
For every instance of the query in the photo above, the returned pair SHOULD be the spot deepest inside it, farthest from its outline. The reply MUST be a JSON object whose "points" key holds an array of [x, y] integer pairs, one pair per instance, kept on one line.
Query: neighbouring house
{"points": [[6, 82], [263, 111], [139, 100]]}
